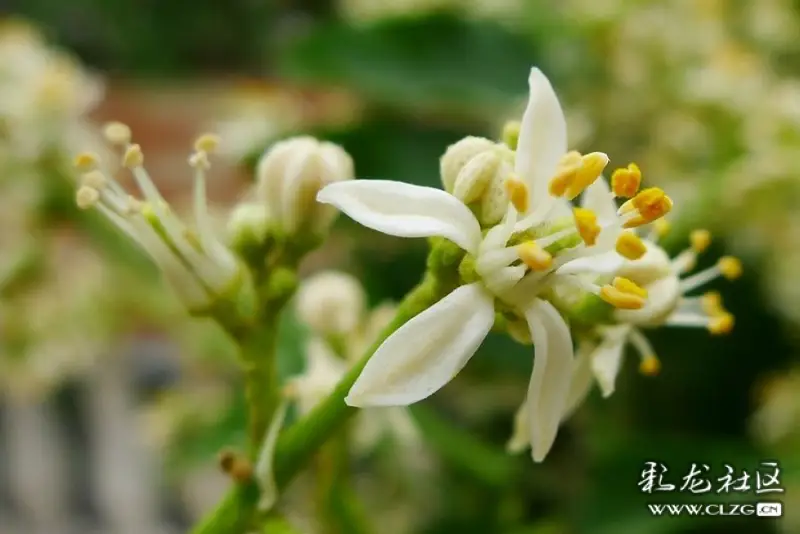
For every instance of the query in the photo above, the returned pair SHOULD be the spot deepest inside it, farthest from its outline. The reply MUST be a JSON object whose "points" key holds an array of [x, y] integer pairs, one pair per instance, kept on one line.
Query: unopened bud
{"points": [[291, 173], [475, 170], [248, 225], [331, 303]]}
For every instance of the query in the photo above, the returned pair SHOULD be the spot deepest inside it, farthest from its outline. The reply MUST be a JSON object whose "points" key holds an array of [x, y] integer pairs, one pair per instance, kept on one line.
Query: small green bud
{"points": [[511, 134]]}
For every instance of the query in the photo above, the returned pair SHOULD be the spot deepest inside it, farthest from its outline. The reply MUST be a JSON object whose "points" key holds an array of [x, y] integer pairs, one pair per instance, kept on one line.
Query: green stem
{"points": [[262, 389], [300, 442]]}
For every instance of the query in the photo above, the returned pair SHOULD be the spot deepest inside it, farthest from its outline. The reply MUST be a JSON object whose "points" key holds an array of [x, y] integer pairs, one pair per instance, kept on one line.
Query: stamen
{"points": [[117, 133], [207, 143], [133, 157], [517, 193], [711, 303], [662, 227], [700, 240], [626, 182], [721, 324], [534, 256], [199, 160], [94, 179], [621, 299], [650, 365], [592, 166], [627, 286], [646, 207], [586, 222], [685, 261], [86, 161], [630, 246], [567, 169], [730, 267], [86, 197]]}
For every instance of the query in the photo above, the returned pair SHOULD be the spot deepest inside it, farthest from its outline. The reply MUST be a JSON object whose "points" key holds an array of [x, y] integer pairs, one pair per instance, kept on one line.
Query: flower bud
{"points": [[248, 225], [291, 173], [331, 303], [474, 170]]}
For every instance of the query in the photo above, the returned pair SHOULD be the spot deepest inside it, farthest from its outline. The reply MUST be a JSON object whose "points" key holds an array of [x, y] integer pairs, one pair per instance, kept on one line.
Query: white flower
{"points": [[331, 303], [197, 264], [668, 304], [431, 348], [291, 173]]}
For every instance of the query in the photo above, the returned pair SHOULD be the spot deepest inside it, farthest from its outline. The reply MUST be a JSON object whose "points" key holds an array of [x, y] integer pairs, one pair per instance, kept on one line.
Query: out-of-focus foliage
{"points": [[703, 94]]}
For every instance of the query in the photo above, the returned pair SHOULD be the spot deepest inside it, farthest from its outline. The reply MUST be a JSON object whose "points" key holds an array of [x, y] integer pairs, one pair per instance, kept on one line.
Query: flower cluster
{"points": [[198, 262], [508, 208]]}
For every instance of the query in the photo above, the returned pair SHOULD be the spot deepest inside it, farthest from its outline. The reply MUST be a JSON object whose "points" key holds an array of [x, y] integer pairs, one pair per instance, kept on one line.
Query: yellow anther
{"points": [[625, 182], [662, 227], [649, 205], [565, 174], [711, 303], [517, 193], [700, 240], [721, 324], [627, 286], [86, 197], [630, 246], [86, 161], [133, 157], [199, 160], [117, 133], [94, 179], [621, 299], [591, 167], [511, 134], [207, 143], [534, 256], [650, 365], [730, 267], [586, 222]]}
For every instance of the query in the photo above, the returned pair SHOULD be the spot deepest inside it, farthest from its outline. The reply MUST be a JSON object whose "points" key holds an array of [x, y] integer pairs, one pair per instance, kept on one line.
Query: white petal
{"points": [[607, 358], [427, 352], [521, 434], [597, 198], [551, 377], [582, 378], [605, 264], [542, 139], [405, 210]]}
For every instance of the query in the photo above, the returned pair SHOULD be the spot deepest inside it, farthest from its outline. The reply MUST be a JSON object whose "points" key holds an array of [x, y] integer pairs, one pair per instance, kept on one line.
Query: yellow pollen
{"points": [[133, 157], [511, 134], [627, 286], [630, 246], [620, 299], [711, 303], [207, 143], [625, 183], [650, 365], [517, 193], [117, 133], [730, 267], [700, 240], [94, 179], [592, 166], [649, 205], [662, 227], [586, 222], [86, 197], [721, 324], [534, 256], [86, 161], [567, 170]]}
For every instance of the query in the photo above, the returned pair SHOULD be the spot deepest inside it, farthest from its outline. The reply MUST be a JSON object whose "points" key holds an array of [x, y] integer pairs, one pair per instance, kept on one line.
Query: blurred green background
{"points": [[703, 94]]}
